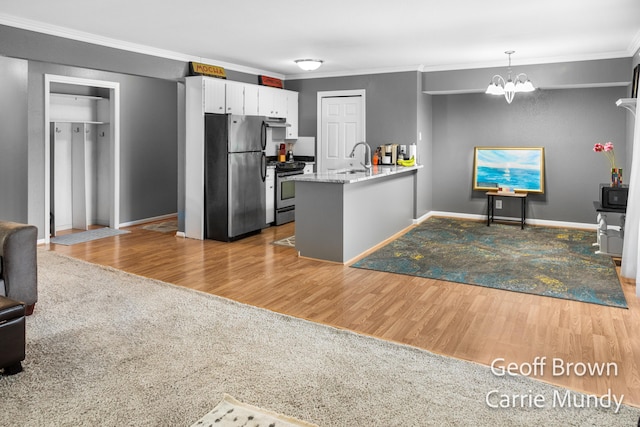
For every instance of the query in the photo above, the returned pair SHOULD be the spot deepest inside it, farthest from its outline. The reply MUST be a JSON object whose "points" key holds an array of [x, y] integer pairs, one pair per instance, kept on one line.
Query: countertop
{"points": [[310, 160], [350, 176]]}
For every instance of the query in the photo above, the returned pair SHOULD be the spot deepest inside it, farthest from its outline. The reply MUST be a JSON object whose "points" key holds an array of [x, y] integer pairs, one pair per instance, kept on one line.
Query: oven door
{"points": [[285, 190], [285, 197]]}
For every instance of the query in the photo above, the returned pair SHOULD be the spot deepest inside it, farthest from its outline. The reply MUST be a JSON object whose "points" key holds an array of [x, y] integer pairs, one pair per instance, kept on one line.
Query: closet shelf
{"points": [[79, 121], [68, 95]]}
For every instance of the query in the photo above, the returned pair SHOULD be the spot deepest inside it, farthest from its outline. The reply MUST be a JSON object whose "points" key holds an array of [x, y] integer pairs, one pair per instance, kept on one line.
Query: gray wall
{"points": [[148, 142], [390, 109], [13, 139], [424, 185], [396, 111], [566, 122], [150, 160], [548, 76], [30, 45]]}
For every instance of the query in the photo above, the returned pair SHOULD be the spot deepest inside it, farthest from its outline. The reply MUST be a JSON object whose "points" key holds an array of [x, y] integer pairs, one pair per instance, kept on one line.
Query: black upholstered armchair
{"points": [[18, 268], [12, 336]]}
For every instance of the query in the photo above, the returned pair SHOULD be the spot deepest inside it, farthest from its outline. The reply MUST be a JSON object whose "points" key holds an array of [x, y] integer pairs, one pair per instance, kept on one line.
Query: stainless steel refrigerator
{"points": [[235, 172]]}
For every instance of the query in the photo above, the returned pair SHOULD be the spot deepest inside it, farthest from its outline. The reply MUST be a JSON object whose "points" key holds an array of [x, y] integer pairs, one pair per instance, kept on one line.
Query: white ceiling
{"points": [[351, 36]]}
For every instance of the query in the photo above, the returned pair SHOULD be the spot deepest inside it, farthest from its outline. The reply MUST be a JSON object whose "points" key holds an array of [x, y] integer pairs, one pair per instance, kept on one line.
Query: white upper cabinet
{"points": [[214, 96], [280, 103], [251, 100], [235, 98], [265, 101], [272, 102], [230, 97], [292, 114]]}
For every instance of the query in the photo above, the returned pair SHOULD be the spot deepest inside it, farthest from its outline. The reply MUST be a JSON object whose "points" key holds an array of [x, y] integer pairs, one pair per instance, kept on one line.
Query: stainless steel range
{"points": [[286, 190]]}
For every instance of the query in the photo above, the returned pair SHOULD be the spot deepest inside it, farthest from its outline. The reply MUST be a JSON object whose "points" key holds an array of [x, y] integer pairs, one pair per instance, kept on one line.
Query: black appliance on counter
{"points": [[234, 174], [614, 197], [286, 190]]}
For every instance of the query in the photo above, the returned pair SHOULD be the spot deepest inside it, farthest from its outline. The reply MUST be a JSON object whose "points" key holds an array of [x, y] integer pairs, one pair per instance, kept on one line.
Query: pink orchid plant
{"points": [[607, 149]]}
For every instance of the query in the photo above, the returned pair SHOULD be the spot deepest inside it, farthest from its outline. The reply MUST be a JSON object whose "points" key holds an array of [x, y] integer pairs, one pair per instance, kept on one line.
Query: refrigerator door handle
{"points": [[264, 167], [263, 135]]}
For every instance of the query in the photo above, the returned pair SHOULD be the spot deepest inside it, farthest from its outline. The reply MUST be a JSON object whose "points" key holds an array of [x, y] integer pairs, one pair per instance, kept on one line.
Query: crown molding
{"points": [[54, 30], [634, 46], [530, 61], [469, 66], [314, 75]]}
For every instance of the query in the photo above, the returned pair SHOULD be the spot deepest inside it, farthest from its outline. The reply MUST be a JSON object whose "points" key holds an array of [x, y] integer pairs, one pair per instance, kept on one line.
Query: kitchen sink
{"points": [[351, 171]]}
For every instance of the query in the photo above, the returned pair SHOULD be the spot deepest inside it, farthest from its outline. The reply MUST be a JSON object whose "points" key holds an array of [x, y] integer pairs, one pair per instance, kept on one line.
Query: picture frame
{"points": [[513, 169]]}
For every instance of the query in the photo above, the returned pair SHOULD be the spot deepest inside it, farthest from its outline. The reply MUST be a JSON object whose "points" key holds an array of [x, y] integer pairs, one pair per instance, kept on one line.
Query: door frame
{"points": [[334, 94], [114, 148]]}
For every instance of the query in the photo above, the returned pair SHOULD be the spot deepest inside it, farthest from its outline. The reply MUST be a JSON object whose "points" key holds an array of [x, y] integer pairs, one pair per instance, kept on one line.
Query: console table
{"points": [[491, 195]]}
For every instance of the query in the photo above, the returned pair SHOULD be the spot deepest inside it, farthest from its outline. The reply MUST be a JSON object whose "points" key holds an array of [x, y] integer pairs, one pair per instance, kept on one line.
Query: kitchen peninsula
{"points": [[341, 214]]}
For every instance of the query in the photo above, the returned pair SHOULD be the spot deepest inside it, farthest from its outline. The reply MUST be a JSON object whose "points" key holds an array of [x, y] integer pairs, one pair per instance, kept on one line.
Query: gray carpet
{"points": [[86, 236], [111, 349]]}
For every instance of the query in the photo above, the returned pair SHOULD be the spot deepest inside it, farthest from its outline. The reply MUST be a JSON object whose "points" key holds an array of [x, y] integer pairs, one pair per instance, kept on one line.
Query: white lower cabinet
{"points": [[270, 195]]}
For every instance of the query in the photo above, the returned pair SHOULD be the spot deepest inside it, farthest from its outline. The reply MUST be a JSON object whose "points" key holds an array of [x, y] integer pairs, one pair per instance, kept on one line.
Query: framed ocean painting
{"points": [[516, 168]]}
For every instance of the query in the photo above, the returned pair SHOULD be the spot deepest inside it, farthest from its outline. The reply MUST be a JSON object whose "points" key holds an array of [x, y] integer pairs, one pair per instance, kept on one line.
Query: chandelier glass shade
{"points": [[308, 64], [509, 87]]}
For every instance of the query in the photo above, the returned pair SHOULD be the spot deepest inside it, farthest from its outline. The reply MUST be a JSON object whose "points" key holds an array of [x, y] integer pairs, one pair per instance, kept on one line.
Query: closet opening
{"points": [[81, 155]]}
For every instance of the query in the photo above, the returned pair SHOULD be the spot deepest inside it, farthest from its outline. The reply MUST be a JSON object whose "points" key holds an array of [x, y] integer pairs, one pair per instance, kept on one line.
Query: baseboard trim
{"points": [[142, 221], [529, 221]]}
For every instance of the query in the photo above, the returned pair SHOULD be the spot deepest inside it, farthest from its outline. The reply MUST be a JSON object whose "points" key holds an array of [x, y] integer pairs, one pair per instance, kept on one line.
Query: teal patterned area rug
{"points": [[554, 262]]}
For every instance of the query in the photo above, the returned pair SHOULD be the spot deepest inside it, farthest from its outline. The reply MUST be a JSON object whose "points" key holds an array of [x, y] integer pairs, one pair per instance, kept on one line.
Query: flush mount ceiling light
{"points": [[498, 85], [308, 64]]}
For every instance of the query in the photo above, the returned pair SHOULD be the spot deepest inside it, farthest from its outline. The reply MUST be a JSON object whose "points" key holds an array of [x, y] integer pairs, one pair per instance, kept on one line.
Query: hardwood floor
{"points": [[462, 321]]}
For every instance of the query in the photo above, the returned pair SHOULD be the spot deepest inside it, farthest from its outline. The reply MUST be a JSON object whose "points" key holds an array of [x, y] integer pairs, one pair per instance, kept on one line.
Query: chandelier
{"points": [[508, 88]]}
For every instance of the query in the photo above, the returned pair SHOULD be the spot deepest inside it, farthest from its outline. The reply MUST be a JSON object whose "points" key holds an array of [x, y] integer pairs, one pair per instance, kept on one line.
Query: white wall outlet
{"points": [[498, 204]]}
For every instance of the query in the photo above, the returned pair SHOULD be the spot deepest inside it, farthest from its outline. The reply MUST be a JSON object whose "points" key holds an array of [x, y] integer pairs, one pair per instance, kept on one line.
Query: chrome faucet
{"points": [[367, 154]]}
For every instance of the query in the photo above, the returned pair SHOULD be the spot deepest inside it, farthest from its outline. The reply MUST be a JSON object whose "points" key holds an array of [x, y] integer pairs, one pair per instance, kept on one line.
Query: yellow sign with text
{"points": [[200, 69]]}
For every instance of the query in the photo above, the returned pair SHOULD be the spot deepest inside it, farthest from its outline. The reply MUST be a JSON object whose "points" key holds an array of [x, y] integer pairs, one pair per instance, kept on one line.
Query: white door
{"points": [[342, 126]]}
